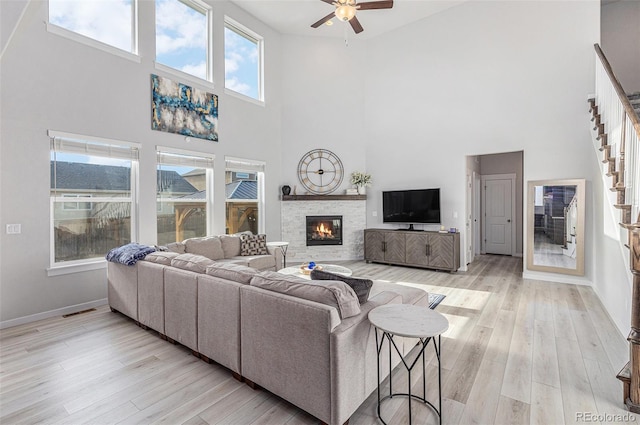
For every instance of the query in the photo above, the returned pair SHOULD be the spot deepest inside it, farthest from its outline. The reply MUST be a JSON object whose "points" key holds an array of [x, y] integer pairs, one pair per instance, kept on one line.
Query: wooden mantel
{"points": [[324, 197]]}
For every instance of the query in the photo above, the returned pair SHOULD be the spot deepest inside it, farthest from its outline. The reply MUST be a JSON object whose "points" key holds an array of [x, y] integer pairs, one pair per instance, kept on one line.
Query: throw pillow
{"points": [[253, 244], [362, 287], [335, 293]]}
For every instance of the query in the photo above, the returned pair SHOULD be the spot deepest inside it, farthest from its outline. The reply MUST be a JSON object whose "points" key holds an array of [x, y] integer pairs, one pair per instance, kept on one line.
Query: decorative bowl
{"points": [[304, 269]]}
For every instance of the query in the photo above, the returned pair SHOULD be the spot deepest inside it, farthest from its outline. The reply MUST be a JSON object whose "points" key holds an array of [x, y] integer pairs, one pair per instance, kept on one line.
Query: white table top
{"points": [[332, 268], [277, 243], [408, 320]]}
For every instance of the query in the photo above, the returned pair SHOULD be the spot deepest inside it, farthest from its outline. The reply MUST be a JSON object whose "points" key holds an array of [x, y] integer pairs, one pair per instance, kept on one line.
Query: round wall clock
{"points": [[320, 171]]}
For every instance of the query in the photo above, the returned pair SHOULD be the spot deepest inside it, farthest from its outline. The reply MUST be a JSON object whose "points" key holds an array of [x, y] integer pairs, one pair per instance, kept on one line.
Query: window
{"points": [[184, 195], [112, 22], [242, 60], [183, 36], [244, 189], [77, 205], [93, 188]]}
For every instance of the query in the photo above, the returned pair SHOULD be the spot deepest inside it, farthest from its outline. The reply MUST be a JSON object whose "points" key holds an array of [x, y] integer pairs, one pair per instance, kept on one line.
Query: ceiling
{"points": [[296, 16]]}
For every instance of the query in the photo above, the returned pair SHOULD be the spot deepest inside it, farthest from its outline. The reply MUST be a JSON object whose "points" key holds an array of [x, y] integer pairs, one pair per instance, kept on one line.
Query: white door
{"points": [[498, 220]]}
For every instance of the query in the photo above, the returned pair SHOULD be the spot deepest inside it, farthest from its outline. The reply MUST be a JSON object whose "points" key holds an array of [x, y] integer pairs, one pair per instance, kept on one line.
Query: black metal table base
{"points": [[424, 342]]}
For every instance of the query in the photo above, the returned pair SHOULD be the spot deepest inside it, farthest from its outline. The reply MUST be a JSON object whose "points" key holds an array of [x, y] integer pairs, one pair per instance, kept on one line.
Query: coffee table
{"points": [[415, 322], [332, 268]]}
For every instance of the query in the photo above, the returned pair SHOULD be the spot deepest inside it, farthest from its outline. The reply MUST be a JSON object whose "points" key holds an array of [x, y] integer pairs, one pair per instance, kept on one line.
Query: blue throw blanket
{"points": [[129, 254]]}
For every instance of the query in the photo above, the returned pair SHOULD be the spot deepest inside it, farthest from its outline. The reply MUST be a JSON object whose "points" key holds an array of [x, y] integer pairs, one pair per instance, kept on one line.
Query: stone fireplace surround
{"points": [[293, 225]]}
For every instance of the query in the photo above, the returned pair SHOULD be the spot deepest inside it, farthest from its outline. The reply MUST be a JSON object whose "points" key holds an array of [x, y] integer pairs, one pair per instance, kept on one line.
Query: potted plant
{"points": [[360, 181]]}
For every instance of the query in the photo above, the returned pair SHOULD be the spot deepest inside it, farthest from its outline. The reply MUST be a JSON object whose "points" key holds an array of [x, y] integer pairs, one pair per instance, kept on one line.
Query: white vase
{"points": [[362, 190]]}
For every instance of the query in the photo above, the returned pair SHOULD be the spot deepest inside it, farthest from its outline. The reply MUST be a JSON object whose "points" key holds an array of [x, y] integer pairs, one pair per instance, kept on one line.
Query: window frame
{"points": [[234, 164], [209, 181], [249, 34], [131, 55], [201, 7], [94, 263]]}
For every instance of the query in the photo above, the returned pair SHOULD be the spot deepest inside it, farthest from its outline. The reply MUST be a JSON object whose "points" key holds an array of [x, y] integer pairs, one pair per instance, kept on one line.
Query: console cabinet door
{"points": [[441, 251], [394, 247], [417, 249], [373, 245]]}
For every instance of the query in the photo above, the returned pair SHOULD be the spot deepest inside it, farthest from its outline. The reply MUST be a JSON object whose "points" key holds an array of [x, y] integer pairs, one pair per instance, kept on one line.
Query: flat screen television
{"points": [[411, 206]]}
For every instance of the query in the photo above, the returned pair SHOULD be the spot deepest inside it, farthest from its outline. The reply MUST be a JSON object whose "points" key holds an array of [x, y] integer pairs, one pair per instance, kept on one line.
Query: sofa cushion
{"points": [[253, 244], [234, 272], [362, 287], [261, 262], [176, 247], [209, 247], [193, 262], [230, 245], [334, 293], [161, 257]]}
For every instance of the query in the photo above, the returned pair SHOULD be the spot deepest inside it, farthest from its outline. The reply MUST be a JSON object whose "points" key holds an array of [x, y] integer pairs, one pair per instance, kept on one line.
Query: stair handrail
{"points": [[620, 123], [619, 90]]}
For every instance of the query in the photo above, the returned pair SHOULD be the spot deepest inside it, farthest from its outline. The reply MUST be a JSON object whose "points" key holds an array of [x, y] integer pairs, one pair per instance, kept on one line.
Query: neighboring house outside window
{"points": [[184, 195], [244, 184], [112, 23], [184, 37], [243, 60], [101, 177]]}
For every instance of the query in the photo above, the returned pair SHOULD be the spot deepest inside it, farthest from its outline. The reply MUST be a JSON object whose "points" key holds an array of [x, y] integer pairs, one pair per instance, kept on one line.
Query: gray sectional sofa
{"points": [[308, 342]]}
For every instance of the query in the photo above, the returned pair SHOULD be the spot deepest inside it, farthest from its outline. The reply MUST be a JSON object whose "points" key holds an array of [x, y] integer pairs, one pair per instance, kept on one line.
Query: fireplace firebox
{"points": [[324, 230]]}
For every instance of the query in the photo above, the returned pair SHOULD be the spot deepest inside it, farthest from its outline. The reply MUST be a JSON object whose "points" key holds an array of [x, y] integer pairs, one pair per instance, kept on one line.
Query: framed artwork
{"points": [[182, 109]]}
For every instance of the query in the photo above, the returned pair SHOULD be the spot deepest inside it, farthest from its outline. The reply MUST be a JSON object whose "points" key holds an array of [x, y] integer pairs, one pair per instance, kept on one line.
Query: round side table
{"points": [[415, 322], [283, 247]]}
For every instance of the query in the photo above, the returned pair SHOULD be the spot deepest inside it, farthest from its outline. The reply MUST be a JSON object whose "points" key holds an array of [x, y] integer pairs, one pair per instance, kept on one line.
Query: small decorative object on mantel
{"points": [[351, 191], [360, 181], [286, 190]]}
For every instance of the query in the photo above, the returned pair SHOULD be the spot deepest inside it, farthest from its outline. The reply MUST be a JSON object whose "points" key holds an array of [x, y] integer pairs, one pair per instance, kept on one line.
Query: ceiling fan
{"points": [[346, 11]]}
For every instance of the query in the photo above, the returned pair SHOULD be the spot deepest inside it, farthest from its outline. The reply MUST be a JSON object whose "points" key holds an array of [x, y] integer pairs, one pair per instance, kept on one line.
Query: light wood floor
{"points": [[517, 351]]}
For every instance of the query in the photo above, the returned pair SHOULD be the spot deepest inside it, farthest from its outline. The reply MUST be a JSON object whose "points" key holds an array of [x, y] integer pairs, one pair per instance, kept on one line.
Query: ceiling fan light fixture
{"points": [[345, 12]]}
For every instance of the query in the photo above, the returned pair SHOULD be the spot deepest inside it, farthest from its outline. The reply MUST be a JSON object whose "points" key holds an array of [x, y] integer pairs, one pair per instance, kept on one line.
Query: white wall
{"points": [[323, 104], [481, 78], [51, 82], [620, 23]]}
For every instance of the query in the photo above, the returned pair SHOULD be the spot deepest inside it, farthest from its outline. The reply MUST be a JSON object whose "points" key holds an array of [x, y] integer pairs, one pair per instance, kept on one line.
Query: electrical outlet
{"points": [[374, 213], [14, 229]]}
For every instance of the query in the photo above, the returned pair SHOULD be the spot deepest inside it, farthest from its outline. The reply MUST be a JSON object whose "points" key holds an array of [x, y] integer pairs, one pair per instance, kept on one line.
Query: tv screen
{"points": [[411, 206]]}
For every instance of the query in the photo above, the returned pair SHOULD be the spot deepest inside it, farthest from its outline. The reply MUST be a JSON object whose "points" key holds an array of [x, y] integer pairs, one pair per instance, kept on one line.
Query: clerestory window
{"points": [[111, 23], [184, 36], [243, 60]]}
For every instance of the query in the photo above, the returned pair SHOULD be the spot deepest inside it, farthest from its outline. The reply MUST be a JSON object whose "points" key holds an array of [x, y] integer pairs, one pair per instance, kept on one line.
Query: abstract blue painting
{"points": [[182, 109]]}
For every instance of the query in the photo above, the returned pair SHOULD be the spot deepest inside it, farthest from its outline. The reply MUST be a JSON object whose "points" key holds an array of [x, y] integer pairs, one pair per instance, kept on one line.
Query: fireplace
{"points": [[324, 230]]}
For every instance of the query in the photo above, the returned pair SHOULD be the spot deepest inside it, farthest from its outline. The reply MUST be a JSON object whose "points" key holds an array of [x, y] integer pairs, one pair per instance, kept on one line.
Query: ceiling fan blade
{"points": [[328, 1], [323, 20], [355, 24], [384, 4]]}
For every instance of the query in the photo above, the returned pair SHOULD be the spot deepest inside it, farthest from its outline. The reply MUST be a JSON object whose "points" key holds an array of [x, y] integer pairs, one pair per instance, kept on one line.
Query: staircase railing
{"points": [[618, 128], [618, 137]]}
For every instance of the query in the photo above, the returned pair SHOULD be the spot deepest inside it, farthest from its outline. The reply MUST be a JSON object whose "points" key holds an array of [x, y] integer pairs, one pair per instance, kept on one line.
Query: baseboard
{"points": [[52, 313], [547, 277]]}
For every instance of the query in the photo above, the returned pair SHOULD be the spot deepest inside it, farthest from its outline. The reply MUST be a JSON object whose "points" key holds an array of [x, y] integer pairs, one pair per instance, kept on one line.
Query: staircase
{"points": [[616, 126]]}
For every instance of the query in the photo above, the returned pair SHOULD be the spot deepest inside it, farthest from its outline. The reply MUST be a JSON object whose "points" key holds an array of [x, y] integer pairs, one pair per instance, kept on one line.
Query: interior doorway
{"points": [[504, 174]]}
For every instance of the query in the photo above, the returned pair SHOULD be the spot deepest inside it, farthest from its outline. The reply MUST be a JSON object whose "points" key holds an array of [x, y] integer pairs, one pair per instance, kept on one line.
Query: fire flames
{"points": [[323, 232]]}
